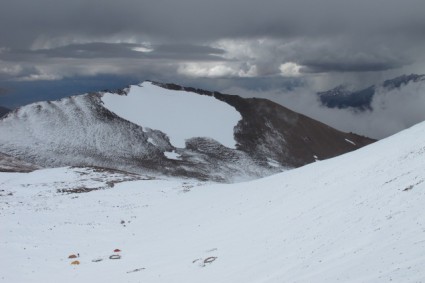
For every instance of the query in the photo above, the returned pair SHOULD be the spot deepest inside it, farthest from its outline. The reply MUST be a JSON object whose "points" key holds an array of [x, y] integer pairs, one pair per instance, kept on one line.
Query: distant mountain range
{"points": [[343, 97], [137, 130]]}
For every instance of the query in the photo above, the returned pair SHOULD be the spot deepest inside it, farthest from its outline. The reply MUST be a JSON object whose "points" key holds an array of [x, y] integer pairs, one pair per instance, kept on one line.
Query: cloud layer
{"points": [[239, 38], [393, 110]]}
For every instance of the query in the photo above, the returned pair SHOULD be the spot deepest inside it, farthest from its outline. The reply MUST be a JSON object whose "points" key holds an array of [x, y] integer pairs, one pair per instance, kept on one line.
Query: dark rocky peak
{"points": [[4, 111], [341, 90], [342, 97], [402, 80]]}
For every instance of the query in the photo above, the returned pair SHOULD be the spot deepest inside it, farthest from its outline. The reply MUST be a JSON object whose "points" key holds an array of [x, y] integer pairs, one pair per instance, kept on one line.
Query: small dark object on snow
{"points": [[408, 188], [210, 259], [72, 256], [117, 250], [114, 257], [137, 269]]}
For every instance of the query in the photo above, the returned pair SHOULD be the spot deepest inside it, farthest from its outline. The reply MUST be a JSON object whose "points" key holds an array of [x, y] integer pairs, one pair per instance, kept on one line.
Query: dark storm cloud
{"points": [[90, 50], [117, 50], [321, 36], [353, 53], [319, 66], [186, 49], [128, 50], [201, 19]]}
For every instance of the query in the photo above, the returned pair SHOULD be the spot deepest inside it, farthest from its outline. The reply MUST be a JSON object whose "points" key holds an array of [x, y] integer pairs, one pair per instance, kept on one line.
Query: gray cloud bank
{"points": [[208, 20], [198, 38], [393, 110]]}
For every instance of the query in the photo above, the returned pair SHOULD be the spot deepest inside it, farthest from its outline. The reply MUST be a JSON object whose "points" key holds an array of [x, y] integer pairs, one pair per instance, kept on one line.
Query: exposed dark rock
{"points": [[341, 98], [12, 164], [4, 111], [269, 130]]}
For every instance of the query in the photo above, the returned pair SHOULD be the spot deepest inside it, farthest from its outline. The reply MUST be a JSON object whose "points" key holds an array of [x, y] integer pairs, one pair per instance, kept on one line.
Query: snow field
{"points": [[202, 116]]}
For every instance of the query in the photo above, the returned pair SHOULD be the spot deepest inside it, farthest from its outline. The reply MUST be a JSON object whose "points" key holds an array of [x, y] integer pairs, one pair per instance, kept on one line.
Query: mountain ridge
{"points": [[342, 97], [81, 131], [269, 108]]}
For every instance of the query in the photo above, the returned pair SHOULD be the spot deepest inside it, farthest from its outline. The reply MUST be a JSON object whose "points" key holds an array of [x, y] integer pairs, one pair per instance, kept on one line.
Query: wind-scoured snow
{"points": [[167, 110], [354, 218]]}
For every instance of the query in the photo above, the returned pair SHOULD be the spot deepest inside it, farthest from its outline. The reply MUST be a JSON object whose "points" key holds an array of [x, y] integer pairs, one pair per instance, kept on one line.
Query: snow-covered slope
{"points": [[76, 130], [358, 217], [79, 131]]}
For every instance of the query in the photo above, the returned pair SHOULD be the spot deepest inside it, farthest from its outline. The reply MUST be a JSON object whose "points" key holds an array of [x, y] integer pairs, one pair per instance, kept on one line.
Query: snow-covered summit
{"points": [[164, 129]]}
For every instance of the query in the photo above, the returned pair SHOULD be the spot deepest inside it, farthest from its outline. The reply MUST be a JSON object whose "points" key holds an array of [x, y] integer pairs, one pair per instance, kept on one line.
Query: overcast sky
{"points": [[46, 44]]}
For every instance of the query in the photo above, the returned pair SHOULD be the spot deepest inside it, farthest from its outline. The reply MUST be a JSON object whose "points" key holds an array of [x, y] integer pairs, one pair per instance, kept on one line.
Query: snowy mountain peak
{"points": [[164, 129]]}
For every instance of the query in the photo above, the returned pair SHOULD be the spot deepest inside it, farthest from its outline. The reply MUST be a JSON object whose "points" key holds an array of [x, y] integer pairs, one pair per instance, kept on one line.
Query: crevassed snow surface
{"points": [[355, 218], [179, 114]]}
